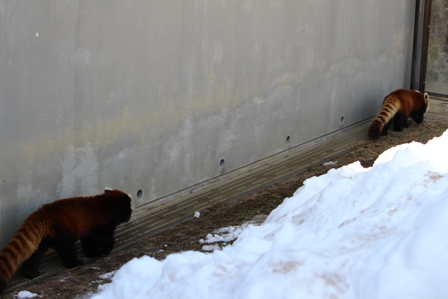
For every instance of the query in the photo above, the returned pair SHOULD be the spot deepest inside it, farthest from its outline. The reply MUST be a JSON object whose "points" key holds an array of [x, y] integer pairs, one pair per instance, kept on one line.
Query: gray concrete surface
{"points": [[169, 96]]}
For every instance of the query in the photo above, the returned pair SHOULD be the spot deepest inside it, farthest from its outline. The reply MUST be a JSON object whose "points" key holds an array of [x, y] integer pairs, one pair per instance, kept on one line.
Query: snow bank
{"points": [[25, 294], [378, 232]]}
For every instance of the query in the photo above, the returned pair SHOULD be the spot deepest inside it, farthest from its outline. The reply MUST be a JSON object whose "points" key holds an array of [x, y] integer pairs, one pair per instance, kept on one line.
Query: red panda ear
{"points": [[107, 189]]}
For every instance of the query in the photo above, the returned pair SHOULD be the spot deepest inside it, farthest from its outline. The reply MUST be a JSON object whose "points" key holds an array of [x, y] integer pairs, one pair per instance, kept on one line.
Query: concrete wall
{"points": [[154, 95]]}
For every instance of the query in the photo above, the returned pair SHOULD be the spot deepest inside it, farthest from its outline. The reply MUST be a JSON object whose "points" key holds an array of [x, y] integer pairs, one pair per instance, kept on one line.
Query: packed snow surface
{"points": [[25, 294], [354, 232]]}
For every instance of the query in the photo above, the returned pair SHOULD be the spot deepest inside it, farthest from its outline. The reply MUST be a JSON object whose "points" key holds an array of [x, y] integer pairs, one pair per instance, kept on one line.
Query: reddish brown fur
{"points": [[398, 106], [75, 218]]}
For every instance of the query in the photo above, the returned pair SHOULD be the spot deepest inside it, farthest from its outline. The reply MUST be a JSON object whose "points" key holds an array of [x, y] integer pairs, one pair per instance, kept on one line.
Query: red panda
{"points": [[398, 106], [59, 225]]}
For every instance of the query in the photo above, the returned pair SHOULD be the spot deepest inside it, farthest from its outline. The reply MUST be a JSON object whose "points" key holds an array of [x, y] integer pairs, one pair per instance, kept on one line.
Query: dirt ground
{"points": [[81, 282]]}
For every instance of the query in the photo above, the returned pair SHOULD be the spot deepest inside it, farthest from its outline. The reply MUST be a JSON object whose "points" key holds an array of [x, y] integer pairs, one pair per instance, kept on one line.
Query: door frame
{"points": [[420, 45]]}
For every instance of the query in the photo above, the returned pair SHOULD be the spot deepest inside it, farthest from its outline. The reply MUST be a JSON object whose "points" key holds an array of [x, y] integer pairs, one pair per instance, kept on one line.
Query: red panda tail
{"points": [[390, 107], [20, 248]]}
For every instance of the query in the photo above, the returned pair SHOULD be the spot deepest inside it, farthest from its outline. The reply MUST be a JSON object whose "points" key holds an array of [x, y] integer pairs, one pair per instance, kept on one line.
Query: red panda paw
{"points": [[73, 263], [2, 286], [30, 272], [79, 262]]}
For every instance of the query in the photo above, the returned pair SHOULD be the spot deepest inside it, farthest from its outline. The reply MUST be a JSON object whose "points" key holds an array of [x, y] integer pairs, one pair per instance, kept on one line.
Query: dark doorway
{"points": [[436, 79], [430, 59]]}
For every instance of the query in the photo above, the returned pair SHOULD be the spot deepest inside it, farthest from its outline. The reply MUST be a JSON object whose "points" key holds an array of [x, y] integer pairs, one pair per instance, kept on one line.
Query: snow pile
{"points": [[225, 234], [108, 275], [378, 232], [25, 294], [220, 238], [330, 163]]}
